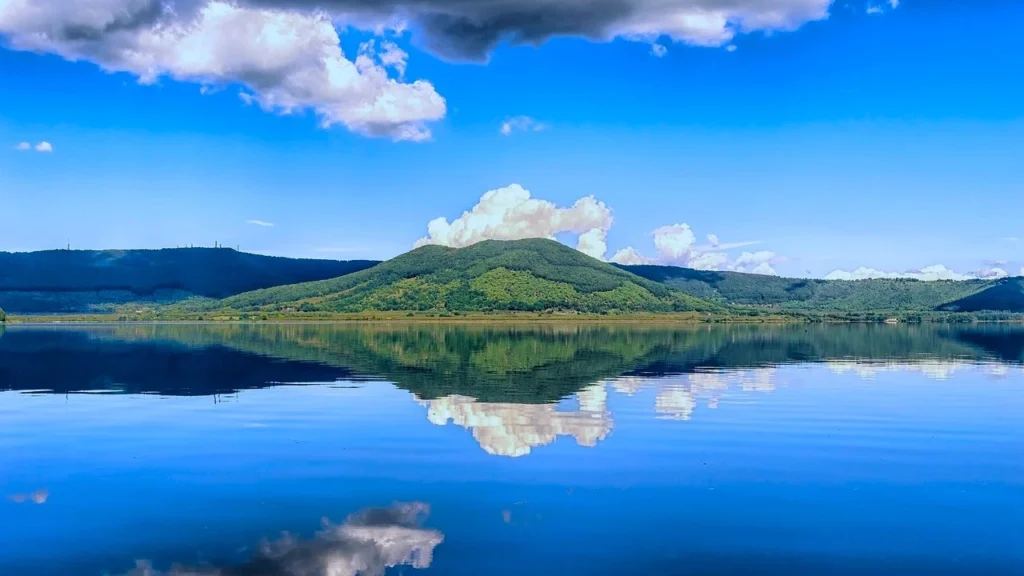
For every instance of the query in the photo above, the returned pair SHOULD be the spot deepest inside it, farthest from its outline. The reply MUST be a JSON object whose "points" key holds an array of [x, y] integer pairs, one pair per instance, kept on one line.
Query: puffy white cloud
{"points": [[44, 147], [730, 48], [658, 50], [676, 244], [366, 544], [260, 223], [629, 256], [755, 262], [927, 274], [521, 124], [288, 60], [709, 261], [510, 213], [874, 10], [470, 30], [513, 430]]}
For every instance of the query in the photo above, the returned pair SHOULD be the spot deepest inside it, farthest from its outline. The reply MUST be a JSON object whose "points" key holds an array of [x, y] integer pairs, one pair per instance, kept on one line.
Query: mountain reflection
{"points": [[367, 544], [507, 429], [494, 365]]}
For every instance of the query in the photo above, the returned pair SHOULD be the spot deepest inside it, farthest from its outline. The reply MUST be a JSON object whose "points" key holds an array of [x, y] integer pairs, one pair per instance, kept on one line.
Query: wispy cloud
{"points": [[658, 50], [1011, 239], [874, 9], [40, 147], [260, 223], [521, 124]]}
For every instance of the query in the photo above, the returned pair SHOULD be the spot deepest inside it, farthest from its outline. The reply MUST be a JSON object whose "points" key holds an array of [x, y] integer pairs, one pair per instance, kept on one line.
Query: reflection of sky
{"points": [[189, 480]]}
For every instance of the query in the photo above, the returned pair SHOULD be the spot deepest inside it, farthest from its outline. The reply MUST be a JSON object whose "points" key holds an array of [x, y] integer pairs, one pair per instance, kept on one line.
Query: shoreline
{"points": [[681, 318]]}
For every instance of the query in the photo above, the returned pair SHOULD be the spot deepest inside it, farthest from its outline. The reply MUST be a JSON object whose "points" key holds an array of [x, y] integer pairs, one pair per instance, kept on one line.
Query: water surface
{"points": [[312, 450]]}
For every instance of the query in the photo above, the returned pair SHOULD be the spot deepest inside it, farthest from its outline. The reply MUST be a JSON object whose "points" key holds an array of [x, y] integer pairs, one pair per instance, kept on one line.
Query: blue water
{"points": [[163, 451]]}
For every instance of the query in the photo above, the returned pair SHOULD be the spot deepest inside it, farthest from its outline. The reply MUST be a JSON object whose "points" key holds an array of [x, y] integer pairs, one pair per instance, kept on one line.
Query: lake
{"points": [[335, 450]]}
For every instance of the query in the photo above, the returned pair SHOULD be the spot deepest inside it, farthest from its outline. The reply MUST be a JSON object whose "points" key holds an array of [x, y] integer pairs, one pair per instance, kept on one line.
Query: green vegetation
{"points": [[523, 275], [3, 316], [102, 281], [875, 297], [1006, 295], [490, 280]]}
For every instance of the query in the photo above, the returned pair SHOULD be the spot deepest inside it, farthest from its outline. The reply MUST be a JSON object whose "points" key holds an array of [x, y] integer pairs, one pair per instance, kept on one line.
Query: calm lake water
{"points": [[315, 450]]}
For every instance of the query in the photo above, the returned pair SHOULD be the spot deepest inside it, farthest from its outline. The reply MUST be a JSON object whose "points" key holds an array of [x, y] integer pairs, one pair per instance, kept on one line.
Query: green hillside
{"points": [[520, 275], [801, 294], [97, 280], [1005, 295]]}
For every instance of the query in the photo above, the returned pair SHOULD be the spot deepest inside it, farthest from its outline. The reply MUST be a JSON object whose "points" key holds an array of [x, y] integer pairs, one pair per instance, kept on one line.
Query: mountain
{"points": [[98, 280], [518, 275], [857, 296], [1006, 295]]}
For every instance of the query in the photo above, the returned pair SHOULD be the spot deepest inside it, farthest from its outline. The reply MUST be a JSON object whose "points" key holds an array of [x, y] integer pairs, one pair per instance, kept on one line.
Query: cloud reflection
{"points": [[37, 497], [677, 396], [366, 544], [506, 429], [933, 369]]}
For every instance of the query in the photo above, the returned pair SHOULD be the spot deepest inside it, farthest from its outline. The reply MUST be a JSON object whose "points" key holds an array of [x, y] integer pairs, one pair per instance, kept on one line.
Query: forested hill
{"points": [[877, 296], [519, 275], [82, 280]]}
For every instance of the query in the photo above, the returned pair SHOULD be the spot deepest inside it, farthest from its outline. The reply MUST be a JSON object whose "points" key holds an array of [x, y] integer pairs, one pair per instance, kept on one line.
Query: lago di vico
{"points": [[552, 287]]}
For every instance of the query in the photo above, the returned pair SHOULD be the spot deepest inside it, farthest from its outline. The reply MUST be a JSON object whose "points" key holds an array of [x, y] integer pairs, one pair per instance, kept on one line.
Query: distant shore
{"points": [[518, 317]]}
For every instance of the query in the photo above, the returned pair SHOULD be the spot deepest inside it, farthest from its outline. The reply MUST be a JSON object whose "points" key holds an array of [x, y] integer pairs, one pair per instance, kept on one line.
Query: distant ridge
{"points": [[515, 275], [860, 296], [90, 280]]}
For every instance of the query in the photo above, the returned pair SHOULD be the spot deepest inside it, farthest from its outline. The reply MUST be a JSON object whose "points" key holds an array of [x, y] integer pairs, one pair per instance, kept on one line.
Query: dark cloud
{"points": [[470, 29], [367, 543]]}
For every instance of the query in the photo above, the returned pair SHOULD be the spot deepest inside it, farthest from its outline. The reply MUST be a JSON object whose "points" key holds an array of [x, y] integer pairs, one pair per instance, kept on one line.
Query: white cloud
{"points": [[676, 244], [894, 3], [630, 257], [260, 223], [928, 274], [1021, 273], [730, 48], [40, 147], [287, 60], [521, 124], [510, 213], [993, 273], [658, 50], [1011, 239], [874, 9]]}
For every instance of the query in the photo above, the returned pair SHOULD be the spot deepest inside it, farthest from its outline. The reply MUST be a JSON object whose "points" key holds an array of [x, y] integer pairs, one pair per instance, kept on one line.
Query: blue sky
{"points": [[889, 140]]}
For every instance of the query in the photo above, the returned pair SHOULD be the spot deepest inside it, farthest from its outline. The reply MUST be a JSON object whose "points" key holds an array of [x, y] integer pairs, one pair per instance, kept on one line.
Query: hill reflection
{"points": [[489, 364]]}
